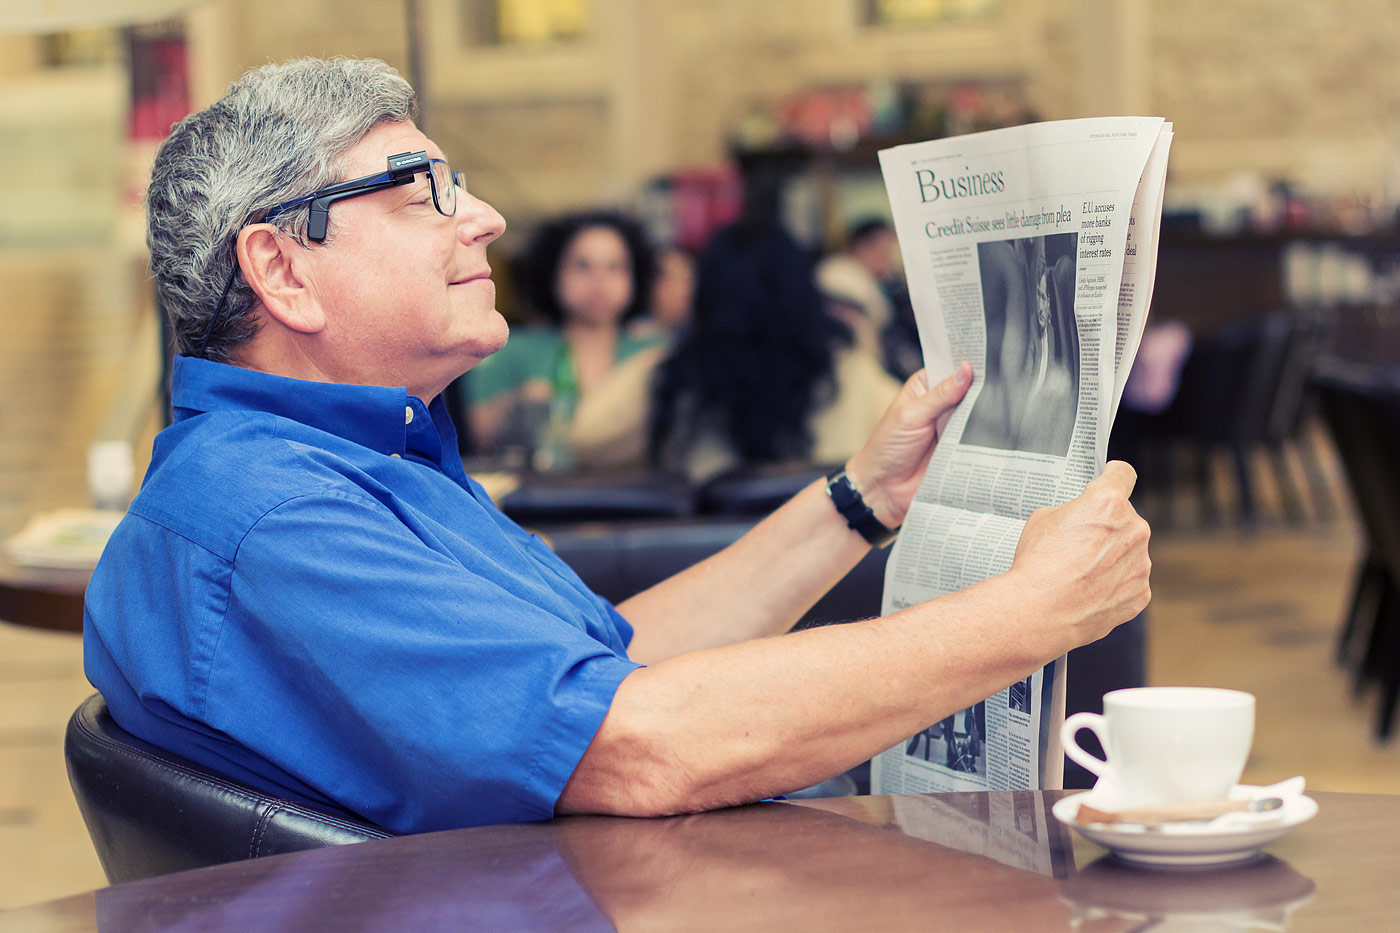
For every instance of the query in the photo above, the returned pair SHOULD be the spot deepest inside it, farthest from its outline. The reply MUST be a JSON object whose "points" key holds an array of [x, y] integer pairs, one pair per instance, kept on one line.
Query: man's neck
{"points": [[294, 363]]}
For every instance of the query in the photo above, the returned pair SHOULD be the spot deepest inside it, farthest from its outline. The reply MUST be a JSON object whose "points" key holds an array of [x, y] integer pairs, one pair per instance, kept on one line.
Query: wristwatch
{"points": [[853, 509]]}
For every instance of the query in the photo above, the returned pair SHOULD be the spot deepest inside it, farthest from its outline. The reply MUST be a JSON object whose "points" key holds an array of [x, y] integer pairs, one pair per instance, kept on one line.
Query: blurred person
{"points": [[309, 595], [858, 276], [903, 351], [765, 372], [586, 274], [671, 294]]}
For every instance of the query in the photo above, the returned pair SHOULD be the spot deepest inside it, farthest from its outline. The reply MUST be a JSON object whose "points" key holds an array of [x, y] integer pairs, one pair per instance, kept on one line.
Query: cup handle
{"points": [[1095, 724]]}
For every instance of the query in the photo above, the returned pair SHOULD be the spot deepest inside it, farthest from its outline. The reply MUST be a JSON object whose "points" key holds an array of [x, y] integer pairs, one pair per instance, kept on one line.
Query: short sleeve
{"points": [[420, 689]]}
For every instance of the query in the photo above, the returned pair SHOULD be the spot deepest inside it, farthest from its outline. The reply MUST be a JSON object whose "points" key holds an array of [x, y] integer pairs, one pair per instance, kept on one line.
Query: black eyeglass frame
{"points": [[402, 167]]}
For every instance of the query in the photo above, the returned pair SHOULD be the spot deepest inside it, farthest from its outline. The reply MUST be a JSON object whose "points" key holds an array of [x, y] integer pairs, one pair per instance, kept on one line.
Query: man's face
{"points": [[406, 292]]}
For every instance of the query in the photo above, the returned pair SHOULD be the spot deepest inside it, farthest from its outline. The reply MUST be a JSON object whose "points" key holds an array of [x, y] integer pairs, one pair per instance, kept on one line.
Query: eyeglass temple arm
{"points": [[319, 217], [401, 169]]}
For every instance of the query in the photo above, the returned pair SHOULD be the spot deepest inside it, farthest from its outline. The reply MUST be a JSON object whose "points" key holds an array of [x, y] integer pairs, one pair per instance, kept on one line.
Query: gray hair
{"points": [[278, 134]]}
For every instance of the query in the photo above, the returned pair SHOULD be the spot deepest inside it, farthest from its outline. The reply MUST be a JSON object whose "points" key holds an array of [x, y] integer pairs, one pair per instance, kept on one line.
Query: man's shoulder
{"points": [[213, 478]]}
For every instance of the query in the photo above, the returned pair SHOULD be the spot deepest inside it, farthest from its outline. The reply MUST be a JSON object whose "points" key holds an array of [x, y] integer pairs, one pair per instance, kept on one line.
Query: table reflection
{"points": [[485, 881], [945, 861], [841, 863], [1110, 895]]}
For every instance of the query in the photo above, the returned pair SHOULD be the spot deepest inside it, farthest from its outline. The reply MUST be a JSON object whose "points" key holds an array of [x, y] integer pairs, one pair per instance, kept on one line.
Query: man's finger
{"points": [[946, 393], [1117, 475]]}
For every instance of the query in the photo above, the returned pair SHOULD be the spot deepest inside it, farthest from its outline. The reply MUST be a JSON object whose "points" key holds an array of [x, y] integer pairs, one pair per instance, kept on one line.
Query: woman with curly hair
{"points": [[765, 373], [587, 275]]}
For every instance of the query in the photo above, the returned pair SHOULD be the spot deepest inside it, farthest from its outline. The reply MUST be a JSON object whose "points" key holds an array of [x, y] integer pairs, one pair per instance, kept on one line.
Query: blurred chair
{"points": [[1291, 417], [1361, 406], [558, 499], [620, 559], [1228, 388], [757, 489], [1115, 662], [152, 813]]}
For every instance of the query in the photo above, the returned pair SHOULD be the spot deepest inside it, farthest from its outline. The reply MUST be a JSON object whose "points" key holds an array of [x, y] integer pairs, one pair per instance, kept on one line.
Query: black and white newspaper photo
{"points": [[1030, 252], [1030, 392]]}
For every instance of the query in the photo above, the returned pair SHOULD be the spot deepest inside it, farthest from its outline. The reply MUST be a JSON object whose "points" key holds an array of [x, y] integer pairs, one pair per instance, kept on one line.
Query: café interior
{"points": [[1274, 503]]}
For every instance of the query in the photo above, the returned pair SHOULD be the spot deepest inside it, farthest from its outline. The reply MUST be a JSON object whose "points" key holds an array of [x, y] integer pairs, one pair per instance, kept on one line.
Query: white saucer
{"points": [[1229, 839]]}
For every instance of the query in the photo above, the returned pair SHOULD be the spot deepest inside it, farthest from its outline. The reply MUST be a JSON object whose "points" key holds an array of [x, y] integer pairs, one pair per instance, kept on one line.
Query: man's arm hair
{"points": [[737, 723]]}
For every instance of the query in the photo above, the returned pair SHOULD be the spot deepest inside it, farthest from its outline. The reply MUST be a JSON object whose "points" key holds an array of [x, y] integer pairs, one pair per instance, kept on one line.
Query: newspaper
{"points": [[1030, 251]]}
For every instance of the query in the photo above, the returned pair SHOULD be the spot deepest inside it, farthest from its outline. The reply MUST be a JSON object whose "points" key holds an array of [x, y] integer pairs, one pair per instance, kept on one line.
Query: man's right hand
{"points": [[1088, 559]]}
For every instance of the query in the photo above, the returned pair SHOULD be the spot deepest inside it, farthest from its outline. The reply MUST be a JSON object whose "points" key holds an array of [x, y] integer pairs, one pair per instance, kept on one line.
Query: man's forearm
{"points": [[730, 724], [738, 723], [760, 585]]}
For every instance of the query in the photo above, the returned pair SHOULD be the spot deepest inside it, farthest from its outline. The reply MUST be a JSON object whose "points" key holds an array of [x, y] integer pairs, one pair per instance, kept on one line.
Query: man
{"points": [[309, 595]]}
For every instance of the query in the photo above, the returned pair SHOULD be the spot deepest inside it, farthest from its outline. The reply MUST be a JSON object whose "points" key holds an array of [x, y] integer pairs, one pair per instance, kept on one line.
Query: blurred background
{"points": [[1279, 260]]}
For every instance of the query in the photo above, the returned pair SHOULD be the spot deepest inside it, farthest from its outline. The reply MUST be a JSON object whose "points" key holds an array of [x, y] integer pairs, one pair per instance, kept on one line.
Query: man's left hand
{"points": [[887, 470]]}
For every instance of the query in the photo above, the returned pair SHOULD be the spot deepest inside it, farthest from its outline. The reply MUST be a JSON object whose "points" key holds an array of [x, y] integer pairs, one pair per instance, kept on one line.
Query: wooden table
{"points": [[38, 597], [970, 861]]}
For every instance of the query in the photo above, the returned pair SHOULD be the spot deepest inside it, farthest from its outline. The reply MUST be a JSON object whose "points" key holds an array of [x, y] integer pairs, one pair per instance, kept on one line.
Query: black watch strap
{"points": [[853, 509]]}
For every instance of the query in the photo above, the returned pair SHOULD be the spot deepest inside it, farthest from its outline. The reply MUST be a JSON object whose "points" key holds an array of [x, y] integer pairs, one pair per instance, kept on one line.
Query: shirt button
{"points": [[397, 456], [408, 414]]}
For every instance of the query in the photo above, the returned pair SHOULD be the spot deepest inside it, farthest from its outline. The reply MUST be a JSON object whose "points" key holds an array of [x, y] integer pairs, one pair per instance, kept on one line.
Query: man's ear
{"points": [[274, 267]]}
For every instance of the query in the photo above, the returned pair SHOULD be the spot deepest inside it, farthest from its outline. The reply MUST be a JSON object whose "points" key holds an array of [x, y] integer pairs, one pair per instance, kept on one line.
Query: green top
{"points": [[538, 353]]}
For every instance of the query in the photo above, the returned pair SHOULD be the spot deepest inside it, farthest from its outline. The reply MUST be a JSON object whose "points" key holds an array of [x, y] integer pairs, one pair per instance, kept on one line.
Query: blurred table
{"points": [[38, 597], [969, 861]]}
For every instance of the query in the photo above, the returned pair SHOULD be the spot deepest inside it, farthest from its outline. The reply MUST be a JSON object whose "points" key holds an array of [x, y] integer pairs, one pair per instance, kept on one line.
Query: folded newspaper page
{"points": [[1031, 252]]}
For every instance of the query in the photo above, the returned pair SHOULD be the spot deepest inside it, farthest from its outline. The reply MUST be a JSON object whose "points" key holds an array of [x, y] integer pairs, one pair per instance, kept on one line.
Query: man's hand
{"points": [[1089, 557], [887, 470]]}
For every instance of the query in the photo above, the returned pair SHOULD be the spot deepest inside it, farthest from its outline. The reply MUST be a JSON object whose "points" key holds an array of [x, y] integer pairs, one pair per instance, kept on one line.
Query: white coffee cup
{"points": [[1167, 744]]}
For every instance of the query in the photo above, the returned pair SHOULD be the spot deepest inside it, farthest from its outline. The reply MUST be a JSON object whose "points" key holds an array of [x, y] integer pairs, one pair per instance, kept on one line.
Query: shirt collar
{"points": [[376, 417]]}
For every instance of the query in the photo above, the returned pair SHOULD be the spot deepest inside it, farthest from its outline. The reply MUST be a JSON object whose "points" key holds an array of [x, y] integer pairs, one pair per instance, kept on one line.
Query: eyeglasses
{"points": [[442, 181], [402, 167]]}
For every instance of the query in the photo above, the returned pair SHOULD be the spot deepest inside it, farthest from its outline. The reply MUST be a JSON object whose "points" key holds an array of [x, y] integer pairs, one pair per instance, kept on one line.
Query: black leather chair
{"points": [[756, 490], [152, 813], [620, 559], [1361, 405], [556, 499], [1227, 394]]}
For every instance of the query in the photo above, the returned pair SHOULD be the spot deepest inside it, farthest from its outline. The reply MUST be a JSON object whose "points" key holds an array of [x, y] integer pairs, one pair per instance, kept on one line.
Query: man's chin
{"points": [[489, 340], [499, 320]]}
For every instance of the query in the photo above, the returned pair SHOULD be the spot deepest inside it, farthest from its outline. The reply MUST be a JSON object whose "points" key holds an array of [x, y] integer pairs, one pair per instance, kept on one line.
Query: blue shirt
{"points": [[310, 596]]}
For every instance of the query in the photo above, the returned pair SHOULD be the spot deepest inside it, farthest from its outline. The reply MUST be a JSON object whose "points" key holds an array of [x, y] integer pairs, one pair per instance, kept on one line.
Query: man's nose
{"points": [[477, 221]]}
